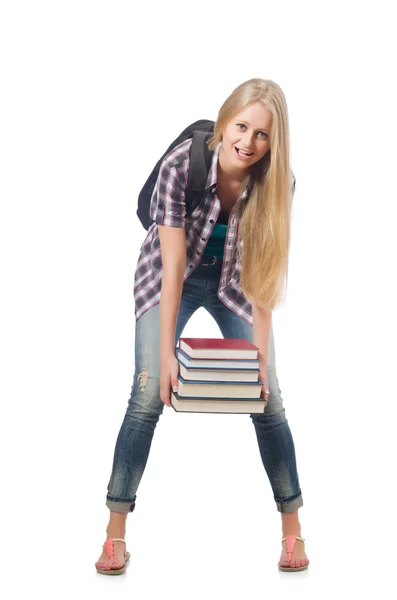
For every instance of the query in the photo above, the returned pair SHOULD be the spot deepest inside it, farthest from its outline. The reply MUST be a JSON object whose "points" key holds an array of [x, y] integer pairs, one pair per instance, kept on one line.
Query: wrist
{"points": [[166, 353]]}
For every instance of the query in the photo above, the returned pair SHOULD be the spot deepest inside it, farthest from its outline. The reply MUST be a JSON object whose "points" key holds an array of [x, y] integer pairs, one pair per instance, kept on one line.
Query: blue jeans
{"points": [[144, 408]]}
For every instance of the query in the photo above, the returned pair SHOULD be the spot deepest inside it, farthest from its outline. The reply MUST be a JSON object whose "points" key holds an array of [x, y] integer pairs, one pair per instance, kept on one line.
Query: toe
{"points": [[285, 563]]}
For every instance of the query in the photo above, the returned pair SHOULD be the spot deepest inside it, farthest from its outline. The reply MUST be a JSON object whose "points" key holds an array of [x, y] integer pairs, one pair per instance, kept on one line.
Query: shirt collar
{"points": [[212, 178]]}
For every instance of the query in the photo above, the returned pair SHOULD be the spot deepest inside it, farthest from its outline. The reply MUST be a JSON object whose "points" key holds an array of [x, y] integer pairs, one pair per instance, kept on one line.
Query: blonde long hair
{"points": [[265, 217]]}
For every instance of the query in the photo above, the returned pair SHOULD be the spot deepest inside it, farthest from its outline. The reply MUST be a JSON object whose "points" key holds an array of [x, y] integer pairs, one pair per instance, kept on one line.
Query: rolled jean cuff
{"points": [[120, 505], [291, 505]]}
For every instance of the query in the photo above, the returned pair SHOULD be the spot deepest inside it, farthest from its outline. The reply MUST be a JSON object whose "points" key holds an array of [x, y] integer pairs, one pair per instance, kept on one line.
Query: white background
{"points": [[92, 95]]}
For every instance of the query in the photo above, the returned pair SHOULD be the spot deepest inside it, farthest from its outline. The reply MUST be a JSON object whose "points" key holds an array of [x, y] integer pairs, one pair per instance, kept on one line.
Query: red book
{"points": [[228, 348]]}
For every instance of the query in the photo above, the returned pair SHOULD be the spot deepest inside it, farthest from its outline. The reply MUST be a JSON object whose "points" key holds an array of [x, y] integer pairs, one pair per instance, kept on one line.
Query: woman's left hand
{"points": [[265, 387]]}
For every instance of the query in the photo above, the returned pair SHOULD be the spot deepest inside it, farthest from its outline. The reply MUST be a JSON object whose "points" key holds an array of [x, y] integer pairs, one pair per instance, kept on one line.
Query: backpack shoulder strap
{"points": [[200, 163]]}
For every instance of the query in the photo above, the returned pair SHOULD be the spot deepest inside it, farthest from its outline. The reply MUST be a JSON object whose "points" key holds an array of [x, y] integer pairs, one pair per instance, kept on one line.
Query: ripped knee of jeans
{"points": [[143, 375]]}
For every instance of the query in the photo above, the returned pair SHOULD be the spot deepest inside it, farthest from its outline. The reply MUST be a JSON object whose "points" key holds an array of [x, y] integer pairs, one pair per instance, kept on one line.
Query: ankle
{"points": [[117, 525], [115, 534], [292, 531], [289, 532], [290, 524]]}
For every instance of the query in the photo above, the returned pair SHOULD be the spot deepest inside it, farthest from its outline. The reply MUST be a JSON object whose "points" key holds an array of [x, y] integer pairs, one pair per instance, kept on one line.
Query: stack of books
{"points": [[218, 375]]}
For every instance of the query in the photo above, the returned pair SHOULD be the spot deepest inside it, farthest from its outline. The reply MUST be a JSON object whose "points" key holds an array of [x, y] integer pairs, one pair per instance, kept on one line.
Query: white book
{"points": [[203, 374], [219, 389], [215, 363], [216, 405]]}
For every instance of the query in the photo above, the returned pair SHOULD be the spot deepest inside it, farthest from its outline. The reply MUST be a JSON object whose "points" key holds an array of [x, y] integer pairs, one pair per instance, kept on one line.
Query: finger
{"points": [[174, 379], [165, 396], [265, 393]]}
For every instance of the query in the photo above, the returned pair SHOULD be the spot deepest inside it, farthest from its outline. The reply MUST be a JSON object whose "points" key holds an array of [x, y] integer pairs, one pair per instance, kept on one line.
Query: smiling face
{"points": [[246, 137]]}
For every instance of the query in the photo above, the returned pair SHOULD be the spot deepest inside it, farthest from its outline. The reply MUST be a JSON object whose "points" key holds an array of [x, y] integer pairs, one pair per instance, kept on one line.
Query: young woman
{"points": [[230, 256]]}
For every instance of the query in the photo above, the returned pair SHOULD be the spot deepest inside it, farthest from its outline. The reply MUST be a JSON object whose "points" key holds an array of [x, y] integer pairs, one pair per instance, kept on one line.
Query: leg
{"points": [[142, 414], [274, 437], [144, 406], [136, 432]]}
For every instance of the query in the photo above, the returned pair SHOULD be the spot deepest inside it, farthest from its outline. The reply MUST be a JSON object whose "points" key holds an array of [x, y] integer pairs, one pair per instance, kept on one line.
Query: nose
{"points": [[247, 139]]}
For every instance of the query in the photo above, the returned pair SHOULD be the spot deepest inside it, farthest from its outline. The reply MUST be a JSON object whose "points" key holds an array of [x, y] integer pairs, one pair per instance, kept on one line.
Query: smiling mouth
{"points": [[242, 153]]}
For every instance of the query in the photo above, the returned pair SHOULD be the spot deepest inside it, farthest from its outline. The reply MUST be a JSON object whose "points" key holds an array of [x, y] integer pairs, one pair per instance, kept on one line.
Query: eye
{"points": [[262, 134]]}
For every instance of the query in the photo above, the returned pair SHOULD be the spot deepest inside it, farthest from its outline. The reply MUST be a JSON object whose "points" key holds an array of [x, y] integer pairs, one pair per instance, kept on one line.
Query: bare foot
{"points": [[298, 557], [106, 564]]}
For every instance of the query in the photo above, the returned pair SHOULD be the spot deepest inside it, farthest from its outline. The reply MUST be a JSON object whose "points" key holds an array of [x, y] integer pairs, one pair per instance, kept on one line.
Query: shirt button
{"points": [[197, 252], [190, 266], [211, 220], [203, 239]]}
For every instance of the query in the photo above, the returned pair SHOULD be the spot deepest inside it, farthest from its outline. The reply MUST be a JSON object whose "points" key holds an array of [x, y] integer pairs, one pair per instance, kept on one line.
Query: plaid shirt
{"points": [[168, 208]]}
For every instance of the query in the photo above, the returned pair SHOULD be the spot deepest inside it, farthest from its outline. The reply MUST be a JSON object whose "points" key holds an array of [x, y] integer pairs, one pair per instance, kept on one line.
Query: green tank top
{"points": [[216, 241]]}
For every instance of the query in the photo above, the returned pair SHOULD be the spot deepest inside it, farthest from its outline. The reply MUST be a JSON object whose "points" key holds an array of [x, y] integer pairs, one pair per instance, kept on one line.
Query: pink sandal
{"points": [[108, 546], [291, 539]]}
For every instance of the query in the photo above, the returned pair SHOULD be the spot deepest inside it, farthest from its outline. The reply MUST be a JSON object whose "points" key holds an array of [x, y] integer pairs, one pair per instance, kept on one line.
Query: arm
{"points": [[168, 210], [262, 319], [173, 254]]}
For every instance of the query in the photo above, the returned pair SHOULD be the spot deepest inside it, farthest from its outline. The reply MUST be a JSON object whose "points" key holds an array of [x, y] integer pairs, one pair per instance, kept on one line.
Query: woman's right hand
{"points": [[169, 370]]}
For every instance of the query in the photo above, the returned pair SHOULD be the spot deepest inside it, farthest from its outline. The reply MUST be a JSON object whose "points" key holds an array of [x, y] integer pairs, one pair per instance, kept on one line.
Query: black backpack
{"points": [[200, 162]]}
